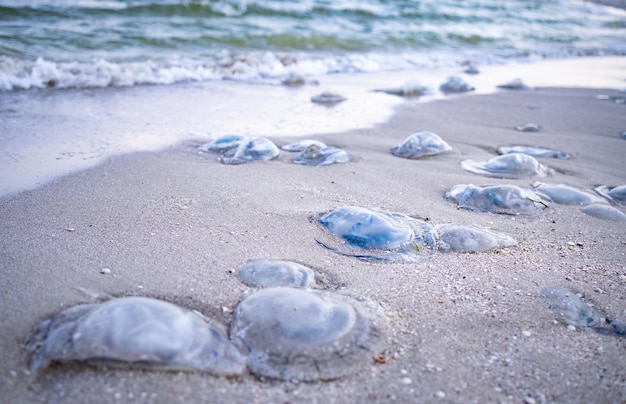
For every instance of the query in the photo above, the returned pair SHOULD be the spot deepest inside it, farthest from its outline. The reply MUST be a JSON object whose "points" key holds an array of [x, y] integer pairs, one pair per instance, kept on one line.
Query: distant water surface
{"points": [[100, 43]]}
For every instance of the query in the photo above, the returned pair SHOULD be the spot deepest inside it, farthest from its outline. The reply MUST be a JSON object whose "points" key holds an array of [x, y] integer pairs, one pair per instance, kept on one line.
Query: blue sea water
{"points": [[102, 43]]}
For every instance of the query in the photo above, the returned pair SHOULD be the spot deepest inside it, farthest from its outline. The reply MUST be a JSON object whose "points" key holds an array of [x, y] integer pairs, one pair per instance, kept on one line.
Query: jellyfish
{"points": [[268, 273], [470, 239], [565, 194], [455, 84], [535, 151], [513, 165], [420, 145], [501, 199]]}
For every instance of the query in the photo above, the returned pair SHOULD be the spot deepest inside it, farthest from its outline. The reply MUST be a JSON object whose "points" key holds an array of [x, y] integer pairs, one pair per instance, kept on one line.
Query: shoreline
{"points": [[464, 327]]}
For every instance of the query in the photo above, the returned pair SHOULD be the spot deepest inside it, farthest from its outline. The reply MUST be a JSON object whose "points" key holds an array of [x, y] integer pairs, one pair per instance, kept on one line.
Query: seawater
{"points": [[101, 43]]}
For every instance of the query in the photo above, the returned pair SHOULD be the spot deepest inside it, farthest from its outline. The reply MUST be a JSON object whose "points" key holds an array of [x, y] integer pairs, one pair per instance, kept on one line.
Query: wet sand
{"points": [[464, 327]]}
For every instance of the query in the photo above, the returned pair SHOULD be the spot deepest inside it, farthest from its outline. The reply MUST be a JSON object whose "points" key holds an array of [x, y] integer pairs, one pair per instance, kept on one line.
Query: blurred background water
{"points": [[101, 43]]}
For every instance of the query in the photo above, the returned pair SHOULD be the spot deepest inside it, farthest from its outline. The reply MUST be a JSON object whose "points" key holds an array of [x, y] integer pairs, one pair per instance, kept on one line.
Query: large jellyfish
{"points": [[535, 151], [470, 239], [513, 165], [376, 234], [237, 149], [134, 332], [316, 155], [502, 199], [304, 335], [604, 212], [268, 273], [455, 84], [421, 144], [565, 194], [613, 194]]}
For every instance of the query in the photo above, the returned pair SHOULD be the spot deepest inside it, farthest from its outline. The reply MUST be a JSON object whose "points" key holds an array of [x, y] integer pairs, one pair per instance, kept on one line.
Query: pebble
{"points": [[406, 380], [571, 327], [105, 271], [526, 333], [440, 394]]}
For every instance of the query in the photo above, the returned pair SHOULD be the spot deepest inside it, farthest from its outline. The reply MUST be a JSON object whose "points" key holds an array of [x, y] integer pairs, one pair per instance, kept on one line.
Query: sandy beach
{"points": [[174, 224]]}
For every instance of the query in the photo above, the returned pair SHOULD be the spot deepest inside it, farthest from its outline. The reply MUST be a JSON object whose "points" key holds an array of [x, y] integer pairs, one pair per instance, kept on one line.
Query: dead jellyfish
{"points": [[516, 84], [303, 335], [513, 165], [302, 145], [455, 84], [471, 69], [568, 307], [470, 239], [502, 199], [535, 151], [134, 332], [412, 88], [376, 234], [254, 149], [328, 97], [528, 127], [604, 212], [565, 195], [268, 273], [614, 194], [314, 155], [223, 144], [420, 145]]}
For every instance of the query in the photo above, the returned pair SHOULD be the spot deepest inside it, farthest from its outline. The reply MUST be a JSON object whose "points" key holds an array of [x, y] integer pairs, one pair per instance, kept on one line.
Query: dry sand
{"points": [[465, 328]]}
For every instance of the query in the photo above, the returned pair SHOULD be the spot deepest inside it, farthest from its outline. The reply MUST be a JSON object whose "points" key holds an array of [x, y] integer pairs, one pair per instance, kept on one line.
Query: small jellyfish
{"points": [[294, 80], [377, 235], [535, 151], [614, 194], [420, 145], [268, 273], [328, 97], [254, 149], [604, 212], [412, 88], [303, 335], [455, 84], [565, 195], [568, 307], [302, 145], [471, 69], [501, 199], [470, 239], [223, 144], [512, 165], [528, 127], [134, 332], [516, 84], [315, 155]]}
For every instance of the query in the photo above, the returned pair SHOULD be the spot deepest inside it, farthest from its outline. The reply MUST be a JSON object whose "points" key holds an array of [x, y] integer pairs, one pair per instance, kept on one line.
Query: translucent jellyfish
{"points": [[516, 84], [471, 69], [614, 194], [568, 307], [513, 165], [302, 145], [420, 145], [223, 144], [294, 80], [376, 234], [315, 155], [565, 195], [470, 239], [328, 97], [134, 332], [455, 84], [528, 127], [412, 88], [604, 212], [303, 335], [268, 273], [502, 199], [258, 148], [535, 151]]}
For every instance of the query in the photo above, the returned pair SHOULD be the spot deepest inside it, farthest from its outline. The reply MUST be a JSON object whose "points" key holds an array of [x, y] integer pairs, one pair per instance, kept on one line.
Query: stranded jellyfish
{"points": [[516, 84], [268, 273], [535, 151], [468, 239], [568, 307], [455, 84], [502, 199], [513, 165], [412, 88], [316, 155], [376, 234], [135, 332], [614, 194], [565, 195], [328, 98], [605, 212], [303, 335], [302, 145], [528, 127], [236, 149], [420, 145]]}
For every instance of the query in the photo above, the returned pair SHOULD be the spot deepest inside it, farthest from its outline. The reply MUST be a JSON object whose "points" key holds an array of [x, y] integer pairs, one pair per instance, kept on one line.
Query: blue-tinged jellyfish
{"points": [[501, 199], [134, 332], [455, 84], [237, 149], [516, 84], [305, 335], [269, 273], [376, 235], [302, 145], [613, 194], [568, 308], [565, 194], [604, 212], [535, 151], [470, 239], [316, 155], [328, 98], [528, 127], [513, 165], [412, 88], [421, 144]]}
